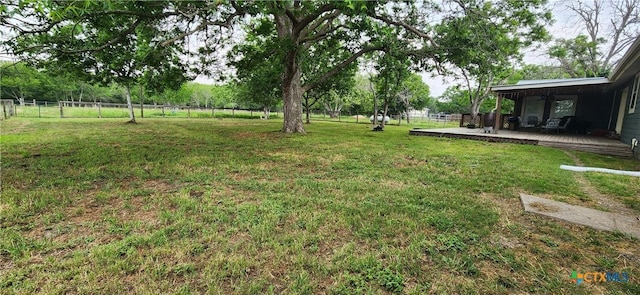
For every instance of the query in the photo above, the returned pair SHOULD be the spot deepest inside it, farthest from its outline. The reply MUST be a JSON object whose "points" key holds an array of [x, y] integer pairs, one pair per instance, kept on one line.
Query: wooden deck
{"points": [[586, 143]]}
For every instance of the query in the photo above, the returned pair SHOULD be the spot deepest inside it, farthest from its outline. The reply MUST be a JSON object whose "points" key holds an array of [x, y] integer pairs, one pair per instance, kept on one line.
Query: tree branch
{"points": [[406, 26], [128, 31], [324, 21], [320, 35], [292, 17], [303, 23], [133, 13], [226, 24], [339, 67]]}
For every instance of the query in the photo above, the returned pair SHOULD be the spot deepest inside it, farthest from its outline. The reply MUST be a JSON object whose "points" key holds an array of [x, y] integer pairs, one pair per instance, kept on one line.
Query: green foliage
{"points": [[24, 83], [180, 96], [393, 71], [120, 48], [419, 92], [579, 57], [21, 81], [536, 72], [481, 46], [224, 95], [456, 101], [258, 71], [295, 45]]}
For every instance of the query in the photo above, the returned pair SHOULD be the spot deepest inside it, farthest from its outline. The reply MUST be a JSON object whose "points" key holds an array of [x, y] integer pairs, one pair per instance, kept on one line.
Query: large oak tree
{"points": [[198, 28]]}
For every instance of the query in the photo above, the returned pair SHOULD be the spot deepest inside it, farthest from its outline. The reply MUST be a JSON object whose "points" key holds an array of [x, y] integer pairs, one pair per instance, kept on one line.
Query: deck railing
{"points": [[504, 124]]}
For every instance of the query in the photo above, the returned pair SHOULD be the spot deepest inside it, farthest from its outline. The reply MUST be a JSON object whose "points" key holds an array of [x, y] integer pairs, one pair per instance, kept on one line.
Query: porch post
{"points": [[497, 124]]}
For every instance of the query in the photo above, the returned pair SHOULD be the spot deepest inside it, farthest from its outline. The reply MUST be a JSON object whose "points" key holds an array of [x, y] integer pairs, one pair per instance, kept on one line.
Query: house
{"points": [[603, 106], [625, 79]]}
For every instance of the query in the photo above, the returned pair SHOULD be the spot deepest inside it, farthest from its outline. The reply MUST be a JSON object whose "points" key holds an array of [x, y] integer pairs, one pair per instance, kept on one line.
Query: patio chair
{"points": [[552, 124], [558, 124], [566, 123], [532, 121]]}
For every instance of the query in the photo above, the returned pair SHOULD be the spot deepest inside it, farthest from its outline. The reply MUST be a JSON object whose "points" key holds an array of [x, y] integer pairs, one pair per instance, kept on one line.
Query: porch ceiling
{"points": [[553, 87], [572, 90]]}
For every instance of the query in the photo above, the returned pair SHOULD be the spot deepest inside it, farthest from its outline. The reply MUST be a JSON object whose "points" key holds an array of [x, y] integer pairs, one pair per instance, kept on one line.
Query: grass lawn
{"points": [[233, 206]]}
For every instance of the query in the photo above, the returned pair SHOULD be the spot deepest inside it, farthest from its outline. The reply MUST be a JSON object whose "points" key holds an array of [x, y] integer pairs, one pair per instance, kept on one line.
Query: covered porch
{"points": [[586, 143], [581, 106]]}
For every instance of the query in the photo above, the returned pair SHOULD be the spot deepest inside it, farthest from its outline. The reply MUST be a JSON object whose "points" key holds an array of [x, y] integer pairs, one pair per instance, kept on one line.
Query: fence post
{"points": [[212, 108], [188, 112], [61, 113], [4, 110], [163, 111], [39, 114], [100, 110], [233, 112]]}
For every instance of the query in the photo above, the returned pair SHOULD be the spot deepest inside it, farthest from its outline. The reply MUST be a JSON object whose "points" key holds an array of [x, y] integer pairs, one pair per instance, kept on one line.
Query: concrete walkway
{"points": [[584, 216]]}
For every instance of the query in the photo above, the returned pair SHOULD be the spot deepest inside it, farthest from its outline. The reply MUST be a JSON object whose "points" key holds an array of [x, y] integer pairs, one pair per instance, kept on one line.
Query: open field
{"points": [[51, 110], [225, 206], [89, 110]]}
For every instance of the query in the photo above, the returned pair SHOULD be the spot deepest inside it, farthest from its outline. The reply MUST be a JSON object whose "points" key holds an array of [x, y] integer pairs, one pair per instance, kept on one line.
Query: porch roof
{"points": [[551, 84], [628, 65]]}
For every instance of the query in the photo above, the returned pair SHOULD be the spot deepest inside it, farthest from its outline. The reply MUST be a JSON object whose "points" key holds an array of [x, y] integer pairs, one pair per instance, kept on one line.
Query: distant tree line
{"points": [[352, 93]]}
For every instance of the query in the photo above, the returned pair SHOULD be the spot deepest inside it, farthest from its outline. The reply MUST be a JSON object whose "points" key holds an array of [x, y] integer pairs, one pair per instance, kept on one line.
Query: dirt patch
{"points": [[159, 186], [544, 207], [409, 161]]}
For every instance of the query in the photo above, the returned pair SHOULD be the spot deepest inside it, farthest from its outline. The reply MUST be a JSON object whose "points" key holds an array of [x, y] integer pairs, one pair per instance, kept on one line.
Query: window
{"points": [[565, 105], [633, 99]]}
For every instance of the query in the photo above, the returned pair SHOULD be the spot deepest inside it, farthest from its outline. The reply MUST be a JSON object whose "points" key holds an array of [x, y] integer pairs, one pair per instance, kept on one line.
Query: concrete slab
{"points": [[584, 216]]}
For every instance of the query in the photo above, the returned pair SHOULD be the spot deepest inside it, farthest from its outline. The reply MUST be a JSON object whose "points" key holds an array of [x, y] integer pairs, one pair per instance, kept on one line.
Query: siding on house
{"points": [[631, 122]]}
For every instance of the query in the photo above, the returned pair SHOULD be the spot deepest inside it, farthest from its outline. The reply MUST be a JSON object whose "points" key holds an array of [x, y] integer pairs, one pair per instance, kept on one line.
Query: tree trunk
{"points": [[132, 117], [384, 115], [81, 92], [386, 101], [266, 112], [375, 103], [141, 103], [291, 79], [307, 108], [292, 102], [475, 109]]}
